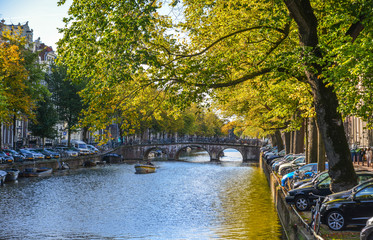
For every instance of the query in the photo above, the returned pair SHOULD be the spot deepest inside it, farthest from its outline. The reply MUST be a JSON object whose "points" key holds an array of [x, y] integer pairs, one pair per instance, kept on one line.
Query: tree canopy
{"points": [[271, 55]]}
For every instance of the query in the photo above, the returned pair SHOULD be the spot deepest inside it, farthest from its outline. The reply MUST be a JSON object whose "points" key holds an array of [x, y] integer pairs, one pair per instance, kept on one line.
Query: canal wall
{"points": [[73, 162], [293, 224]]}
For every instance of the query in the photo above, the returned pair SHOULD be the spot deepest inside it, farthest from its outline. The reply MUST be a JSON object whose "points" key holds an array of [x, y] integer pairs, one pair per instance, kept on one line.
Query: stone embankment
{"points": [[73, 162], [294, 223]]}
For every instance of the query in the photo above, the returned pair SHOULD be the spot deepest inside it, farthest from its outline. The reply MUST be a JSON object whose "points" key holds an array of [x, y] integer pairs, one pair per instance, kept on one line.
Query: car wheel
{"points": [[370, 237], [301, 203], [335, 221]]}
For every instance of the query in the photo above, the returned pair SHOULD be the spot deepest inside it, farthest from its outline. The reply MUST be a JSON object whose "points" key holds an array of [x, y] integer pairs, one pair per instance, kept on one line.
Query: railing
{"points": [[213, 140]]}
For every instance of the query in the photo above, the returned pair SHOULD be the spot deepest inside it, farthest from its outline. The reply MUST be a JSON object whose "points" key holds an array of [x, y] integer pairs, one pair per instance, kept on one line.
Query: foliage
{"points": [[267, 49], [20, 77], [65, 97], [13, 77], [46, 119]]}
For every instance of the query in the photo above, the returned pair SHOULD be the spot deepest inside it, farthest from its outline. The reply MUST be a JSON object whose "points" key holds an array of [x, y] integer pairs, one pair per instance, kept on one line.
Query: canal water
{"points": [[182, 200]]}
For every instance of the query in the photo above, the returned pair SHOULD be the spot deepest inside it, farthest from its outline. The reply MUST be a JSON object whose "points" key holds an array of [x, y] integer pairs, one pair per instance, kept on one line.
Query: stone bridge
{"points": [[173, 150]]}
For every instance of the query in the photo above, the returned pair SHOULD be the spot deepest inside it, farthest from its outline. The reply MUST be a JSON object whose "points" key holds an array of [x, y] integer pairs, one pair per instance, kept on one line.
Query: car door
{"points": [[362, 209], [323, 187]]}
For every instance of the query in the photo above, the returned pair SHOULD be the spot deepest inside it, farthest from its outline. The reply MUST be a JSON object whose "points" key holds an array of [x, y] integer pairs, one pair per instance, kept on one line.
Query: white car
{"points": [[92, 148], [296, 163]]}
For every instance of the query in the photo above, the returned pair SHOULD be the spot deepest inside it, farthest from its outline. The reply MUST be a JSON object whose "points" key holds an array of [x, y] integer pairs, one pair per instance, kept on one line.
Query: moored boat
{"points": [[2, 177], [145, 168], [12, 174], [36, 172]]}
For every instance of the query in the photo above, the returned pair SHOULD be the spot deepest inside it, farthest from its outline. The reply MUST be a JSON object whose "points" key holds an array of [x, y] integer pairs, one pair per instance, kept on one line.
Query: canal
{"points": [[194, 199]]}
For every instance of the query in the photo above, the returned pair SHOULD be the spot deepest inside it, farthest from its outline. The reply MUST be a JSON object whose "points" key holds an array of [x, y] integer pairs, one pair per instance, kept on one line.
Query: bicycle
{"points": [[315, 214]]}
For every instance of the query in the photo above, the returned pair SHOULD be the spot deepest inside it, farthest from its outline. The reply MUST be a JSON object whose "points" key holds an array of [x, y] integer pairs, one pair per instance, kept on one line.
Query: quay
{"points": [[296, 224], [73, 162]]}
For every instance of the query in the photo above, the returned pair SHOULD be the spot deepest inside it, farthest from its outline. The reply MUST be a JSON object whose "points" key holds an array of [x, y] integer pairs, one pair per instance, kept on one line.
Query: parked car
{"points": [[81, 151], [31, 154], [48, 154], [306, 170], [5, 158], [304, 197], [92, 148], [18, 157], [54, 153], [367, 232], [27, 154], [349, 207], [292, 165], [311, 181], [277, 163], [273, 155], [67, 152], [80, 146], [37, 155]]}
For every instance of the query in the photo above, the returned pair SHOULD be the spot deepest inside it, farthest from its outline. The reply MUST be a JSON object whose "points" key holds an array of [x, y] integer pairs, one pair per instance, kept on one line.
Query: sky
{"points": [[43, 16]]}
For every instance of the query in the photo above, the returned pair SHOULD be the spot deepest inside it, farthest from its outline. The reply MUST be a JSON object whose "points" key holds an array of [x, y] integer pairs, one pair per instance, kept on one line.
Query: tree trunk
{"points": [[320, 153], [329, 120], [306, 145], [299, 144], [1, 135], [292, 142], [279, 143], [68, 136], [85, 134], [312, 141], [287, 142]]}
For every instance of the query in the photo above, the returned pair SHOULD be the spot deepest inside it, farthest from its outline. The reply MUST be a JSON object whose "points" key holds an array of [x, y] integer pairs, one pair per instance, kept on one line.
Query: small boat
{"points": [[12, 174], [37, 172], [145, 168], [2, 177], [89, 163], [63, 166]]}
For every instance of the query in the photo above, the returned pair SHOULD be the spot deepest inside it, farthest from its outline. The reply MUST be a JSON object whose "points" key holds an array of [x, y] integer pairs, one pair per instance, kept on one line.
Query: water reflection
{"points": [[246, 210], [182, 200], [231, 155]]}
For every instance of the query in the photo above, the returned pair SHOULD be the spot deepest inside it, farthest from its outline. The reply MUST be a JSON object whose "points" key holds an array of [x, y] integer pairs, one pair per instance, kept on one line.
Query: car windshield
{"points": [[82, 145], [306, 168], [325, 183], [321, 176], [362, 185]]}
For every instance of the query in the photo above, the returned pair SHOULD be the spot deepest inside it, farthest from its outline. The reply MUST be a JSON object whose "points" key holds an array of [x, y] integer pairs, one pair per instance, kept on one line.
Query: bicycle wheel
{"points": [[316, 223]]}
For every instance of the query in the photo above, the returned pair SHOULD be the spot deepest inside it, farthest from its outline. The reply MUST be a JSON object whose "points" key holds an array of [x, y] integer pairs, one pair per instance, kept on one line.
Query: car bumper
{"points": [[289, 199]]}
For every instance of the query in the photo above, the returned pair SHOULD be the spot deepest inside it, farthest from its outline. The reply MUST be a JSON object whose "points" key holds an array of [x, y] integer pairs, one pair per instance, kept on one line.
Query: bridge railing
{"points": [[250, 142]]}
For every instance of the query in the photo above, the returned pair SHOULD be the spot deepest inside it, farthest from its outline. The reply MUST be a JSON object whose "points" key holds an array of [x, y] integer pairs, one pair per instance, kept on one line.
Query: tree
{"points": [[45, 121], [65, 97], [228, 43], [20, 77]]}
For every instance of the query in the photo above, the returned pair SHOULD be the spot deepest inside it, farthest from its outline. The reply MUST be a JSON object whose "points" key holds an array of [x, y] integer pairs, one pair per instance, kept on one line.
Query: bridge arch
{"points": [[148, 151], [220, 154], [192, 146]]}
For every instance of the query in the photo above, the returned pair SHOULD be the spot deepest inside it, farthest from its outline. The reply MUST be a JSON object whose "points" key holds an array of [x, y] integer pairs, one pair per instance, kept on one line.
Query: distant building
{"points": [[25, 31], [19, 134]]}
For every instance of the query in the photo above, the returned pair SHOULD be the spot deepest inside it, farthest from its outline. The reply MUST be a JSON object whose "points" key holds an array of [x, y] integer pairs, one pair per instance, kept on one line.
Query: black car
{"points": [[18, 157], [5, 158], [367, 232], [314, 179], [303, 197], [48, 154], [354, 206]]}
